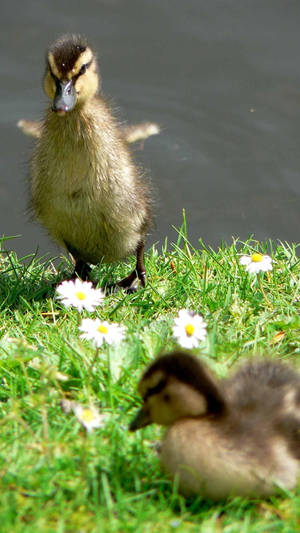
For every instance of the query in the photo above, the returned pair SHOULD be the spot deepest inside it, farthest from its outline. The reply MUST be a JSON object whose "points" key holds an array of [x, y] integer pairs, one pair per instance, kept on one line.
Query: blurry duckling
{"points": [[235, 436], [85, 188]]}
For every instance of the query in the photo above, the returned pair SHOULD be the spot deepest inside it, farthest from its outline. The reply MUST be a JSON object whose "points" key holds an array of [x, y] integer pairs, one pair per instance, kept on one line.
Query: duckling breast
{"points": [[208, 462]]}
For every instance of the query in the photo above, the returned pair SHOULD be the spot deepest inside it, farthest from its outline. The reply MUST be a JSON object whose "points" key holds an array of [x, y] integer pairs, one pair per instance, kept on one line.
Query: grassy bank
{"points": [[55, 476]]}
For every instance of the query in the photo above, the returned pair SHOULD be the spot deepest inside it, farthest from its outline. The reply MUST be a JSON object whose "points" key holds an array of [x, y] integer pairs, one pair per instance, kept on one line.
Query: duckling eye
{"points": [[82, 70], [167, 398]]}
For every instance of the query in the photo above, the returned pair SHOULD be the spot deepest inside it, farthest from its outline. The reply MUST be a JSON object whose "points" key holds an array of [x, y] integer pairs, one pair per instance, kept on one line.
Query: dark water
{"points": [[221, 77]]}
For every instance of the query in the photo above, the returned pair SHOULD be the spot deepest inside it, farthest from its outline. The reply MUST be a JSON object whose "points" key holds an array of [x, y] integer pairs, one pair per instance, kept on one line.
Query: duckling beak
{"points": [[141, 420], [65, 97]]}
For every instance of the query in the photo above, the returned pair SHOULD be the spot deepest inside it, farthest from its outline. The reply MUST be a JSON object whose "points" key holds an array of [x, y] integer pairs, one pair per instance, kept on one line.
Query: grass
{"points": [[54, 476]]}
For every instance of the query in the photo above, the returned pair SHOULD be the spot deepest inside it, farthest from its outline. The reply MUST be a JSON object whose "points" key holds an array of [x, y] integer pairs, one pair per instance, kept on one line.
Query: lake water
{"points": [[221, 78]]}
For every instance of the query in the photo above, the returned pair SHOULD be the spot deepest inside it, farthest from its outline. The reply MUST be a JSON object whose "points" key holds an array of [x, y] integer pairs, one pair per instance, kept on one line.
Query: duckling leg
{"points": [[82, 270], [139, 271], [140, 263]]}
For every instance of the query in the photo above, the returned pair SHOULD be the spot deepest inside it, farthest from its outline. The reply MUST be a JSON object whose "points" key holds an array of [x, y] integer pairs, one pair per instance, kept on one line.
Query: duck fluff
{"points": [[236, 436], [85, 188]]}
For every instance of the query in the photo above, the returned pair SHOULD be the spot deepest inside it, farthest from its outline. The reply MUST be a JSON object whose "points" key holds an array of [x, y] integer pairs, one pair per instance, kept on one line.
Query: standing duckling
{"points": [[236, 436], [86, 190]]}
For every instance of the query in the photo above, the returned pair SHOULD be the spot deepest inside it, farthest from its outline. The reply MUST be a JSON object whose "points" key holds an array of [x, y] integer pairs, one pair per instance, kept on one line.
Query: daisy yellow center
{"points": [[102, 329], [80, 295], [87, 415], [256, 258], [189, 329]]}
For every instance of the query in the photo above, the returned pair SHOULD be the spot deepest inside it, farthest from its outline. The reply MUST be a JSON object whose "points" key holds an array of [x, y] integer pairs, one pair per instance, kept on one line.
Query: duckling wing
{"points": [[138, 132], [30, 127], [288, 427], [287, 418], [131, 133], [261, 382], [266, 394]]}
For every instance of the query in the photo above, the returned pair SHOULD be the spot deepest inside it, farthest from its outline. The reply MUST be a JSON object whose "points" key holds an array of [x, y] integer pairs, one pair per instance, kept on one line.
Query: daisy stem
{"points": [[91, 366], [263, 292], [83, 455], [109, 378]]}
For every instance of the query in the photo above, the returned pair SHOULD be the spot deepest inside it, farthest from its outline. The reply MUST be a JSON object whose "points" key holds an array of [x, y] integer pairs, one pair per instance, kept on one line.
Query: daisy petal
{"points": [[100, 331], [256, 263], [189, 329], [79, 294]]}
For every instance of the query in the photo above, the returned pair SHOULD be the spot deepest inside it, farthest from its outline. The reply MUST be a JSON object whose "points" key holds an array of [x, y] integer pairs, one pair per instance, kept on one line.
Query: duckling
{"points": [[85, 188], [235, 436]]}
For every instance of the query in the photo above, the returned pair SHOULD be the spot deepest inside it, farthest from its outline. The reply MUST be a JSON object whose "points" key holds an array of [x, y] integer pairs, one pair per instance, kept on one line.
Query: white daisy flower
{"points": [[35, 363], [79, 294], [256, 263], [89, 417], [67, 405], [189, 329], [100, 331]]}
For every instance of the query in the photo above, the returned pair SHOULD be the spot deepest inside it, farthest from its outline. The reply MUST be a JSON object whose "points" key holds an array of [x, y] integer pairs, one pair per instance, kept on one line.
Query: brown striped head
{"points": [[175, 386], [71, 77]]}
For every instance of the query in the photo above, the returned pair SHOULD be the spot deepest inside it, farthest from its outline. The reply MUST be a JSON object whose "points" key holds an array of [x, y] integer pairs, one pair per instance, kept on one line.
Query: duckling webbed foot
{"points": [[130, 282], [82, 270]]}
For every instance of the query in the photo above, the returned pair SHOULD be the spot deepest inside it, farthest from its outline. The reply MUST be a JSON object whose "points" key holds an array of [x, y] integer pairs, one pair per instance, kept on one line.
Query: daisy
{"points": [[100, 331], [89, 417], [80, 294], [256, 263], [189, 329]]}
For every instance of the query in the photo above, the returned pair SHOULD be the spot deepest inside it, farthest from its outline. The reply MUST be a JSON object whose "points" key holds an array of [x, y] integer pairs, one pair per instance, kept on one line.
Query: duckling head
{"points": [[177, 385], [71, 77]]}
